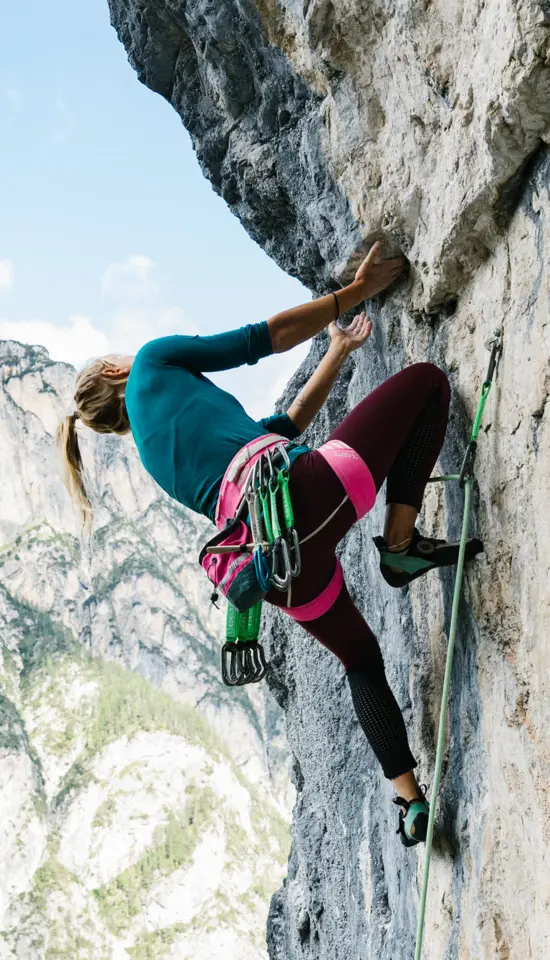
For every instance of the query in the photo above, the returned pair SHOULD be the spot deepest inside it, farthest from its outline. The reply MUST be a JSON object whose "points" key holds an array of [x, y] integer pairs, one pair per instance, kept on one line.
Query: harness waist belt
{"points": [[237, 473]]}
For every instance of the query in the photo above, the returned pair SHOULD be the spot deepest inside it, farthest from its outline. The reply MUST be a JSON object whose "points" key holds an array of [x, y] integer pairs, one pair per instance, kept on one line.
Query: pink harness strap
{"points": [[237, 474], [353, 473], [317, 607]]}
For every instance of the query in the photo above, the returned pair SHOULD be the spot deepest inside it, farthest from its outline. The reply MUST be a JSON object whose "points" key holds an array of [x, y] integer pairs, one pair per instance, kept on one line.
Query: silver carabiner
{"points": [[286, 459], [255, 518], [281, 583], [295, 545], [262, 471], [254, 507], [269, 459]]}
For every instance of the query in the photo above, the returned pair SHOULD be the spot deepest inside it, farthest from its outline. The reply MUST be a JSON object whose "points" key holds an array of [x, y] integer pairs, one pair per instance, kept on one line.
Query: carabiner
{"points": [[281, 557], [270, 466], [253, 500], [255, 517], [242, 663], [494, 344], [262, 474], [296, 568], [281, 449]]}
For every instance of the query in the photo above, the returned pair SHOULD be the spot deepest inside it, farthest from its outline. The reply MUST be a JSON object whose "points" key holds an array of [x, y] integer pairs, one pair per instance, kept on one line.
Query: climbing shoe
{"points": [[422, 554], [413, 825]]}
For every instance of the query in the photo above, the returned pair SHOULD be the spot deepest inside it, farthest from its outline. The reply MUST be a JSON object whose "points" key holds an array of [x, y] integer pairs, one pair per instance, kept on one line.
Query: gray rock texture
{"points": [[325, 125]]}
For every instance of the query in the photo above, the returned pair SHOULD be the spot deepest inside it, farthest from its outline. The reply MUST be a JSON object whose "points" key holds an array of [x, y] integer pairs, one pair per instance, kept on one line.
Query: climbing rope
{"points": [[465, 481]]}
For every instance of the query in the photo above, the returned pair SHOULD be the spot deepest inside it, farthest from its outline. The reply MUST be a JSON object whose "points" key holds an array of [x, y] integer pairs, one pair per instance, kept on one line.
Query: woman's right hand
{"points": [[373, 277], [353, 336]]}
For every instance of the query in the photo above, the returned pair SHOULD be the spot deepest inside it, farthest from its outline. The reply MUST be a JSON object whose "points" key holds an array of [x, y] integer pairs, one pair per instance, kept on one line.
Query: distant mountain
{"points": [[144, 806]]}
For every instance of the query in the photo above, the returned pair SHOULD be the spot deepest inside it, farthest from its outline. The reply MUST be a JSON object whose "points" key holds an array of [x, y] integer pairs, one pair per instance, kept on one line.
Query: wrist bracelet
{"points": [[337, 305]]}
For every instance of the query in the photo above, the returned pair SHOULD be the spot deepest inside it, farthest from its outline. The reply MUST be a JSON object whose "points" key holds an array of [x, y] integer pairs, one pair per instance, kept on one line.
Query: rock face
{"points": [[144, 806], [325, 125]]}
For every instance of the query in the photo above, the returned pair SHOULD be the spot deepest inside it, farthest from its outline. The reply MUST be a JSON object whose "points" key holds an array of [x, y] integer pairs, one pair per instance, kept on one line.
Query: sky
{"points": [[110, 235]]}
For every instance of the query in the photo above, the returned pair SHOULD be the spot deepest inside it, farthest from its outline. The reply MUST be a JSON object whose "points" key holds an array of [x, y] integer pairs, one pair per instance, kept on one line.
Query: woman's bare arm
{"points": [[294, 326], [312, 397]]}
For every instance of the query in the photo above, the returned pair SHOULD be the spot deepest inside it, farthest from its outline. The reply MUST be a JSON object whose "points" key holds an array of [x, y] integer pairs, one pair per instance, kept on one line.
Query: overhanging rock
{"points": [[325, 126]]}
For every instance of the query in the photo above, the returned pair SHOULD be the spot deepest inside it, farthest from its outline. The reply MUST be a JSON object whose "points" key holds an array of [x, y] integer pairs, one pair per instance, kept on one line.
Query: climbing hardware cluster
{"points": [[276, 560]]}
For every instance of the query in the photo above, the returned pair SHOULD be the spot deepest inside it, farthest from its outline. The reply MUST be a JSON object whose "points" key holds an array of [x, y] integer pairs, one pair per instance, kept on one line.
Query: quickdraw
{"points": [[277, 561], [243, 659]]}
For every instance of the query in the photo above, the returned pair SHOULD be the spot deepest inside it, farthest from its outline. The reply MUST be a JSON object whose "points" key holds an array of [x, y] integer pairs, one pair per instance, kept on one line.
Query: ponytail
{"points": [[100, 405], [67, 442]]}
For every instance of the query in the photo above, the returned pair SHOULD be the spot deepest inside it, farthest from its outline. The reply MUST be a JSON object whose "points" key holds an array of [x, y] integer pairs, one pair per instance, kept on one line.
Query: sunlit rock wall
{"points": [[324, 126]]}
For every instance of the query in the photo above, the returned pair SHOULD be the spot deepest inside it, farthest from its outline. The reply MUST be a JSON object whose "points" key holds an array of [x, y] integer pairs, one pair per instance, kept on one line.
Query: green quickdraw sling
{"points": [[465, 482], [277, 561]]}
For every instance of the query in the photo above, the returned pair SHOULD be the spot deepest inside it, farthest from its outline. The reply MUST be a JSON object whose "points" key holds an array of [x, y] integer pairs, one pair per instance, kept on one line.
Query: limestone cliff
{"points": [[144, 807], [325, 125]]}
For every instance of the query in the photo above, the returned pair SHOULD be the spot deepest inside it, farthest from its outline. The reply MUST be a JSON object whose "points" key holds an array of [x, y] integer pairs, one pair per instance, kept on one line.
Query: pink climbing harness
{"points": [[358, 482], [234, 564], [228, 558], [236, 475]]}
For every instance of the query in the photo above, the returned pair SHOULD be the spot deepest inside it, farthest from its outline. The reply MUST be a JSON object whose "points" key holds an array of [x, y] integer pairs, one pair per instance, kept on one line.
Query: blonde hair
{"points": [[100, 405]]}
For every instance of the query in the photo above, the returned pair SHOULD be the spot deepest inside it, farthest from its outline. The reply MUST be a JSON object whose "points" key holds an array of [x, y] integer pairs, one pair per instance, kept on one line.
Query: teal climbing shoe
{"points": [[413, 825], [422, 554]]}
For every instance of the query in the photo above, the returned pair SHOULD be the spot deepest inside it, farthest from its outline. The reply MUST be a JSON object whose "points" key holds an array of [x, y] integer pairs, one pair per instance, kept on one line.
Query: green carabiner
{"points": [[282, 482], [277, 533], [264, 499]]}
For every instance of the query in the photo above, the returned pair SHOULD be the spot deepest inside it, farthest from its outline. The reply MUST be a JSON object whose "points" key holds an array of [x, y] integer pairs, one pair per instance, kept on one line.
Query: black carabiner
{"points": [[495, 345], [467, 468], [242, 663]]}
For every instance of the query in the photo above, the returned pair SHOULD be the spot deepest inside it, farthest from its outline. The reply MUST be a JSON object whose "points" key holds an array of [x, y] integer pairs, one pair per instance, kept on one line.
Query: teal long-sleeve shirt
{"points": [[186, 429]]}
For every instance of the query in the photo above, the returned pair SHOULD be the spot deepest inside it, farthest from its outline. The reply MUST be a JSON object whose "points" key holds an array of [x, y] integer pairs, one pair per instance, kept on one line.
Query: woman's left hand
{"points": [[353, 336]]}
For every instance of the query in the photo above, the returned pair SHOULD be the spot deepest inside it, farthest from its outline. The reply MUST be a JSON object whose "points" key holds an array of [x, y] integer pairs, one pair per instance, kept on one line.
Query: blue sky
{"points": [[110, 235]]}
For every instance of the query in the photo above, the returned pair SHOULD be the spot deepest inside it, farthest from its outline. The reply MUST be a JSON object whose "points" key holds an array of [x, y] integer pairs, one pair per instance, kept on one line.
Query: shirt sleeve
{"points": [[223, 351], [281, 423]]}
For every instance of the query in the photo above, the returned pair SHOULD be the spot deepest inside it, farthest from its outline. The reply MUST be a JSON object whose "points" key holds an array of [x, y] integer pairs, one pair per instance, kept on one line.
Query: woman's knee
{"points": [[437, 377]]}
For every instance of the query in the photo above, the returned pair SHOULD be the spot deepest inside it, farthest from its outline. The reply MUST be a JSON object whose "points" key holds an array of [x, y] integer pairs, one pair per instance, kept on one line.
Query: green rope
{"points": [[448, 670], [443, 717]]}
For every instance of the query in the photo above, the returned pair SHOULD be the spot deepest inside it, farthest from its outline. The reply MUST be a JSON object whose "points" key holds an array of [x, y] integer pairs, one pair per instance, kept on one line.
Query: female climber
{"points": [[188, 431]]}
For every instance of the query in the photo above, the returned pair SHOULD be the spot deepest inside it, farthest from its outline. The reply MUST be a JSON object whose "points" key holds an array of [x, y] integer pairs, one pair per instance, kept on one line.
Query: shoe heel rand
{"points": [[416, 807]]}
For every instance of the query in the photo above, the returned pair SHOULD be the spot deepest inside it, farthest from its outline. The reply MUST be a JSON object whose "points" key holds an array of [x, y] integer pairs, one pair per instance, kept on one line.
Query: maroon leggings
{"points": [[398, 430]]}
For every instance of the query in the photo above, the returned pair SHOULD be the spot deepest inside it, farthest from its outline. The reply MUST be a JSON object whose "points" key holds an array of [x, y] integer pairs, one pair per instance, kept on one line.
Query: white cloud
{"points": [[74, 343], [129, 280], [131, 327], [6, 275], [136, 315], [139, 313]]}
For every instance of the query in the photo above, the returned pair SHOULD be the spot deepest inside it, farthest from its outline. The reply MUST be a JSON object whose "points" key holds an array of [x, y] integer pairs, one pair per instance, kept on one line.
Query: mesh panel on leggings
{"points": [[413, 464], [381, 719]]}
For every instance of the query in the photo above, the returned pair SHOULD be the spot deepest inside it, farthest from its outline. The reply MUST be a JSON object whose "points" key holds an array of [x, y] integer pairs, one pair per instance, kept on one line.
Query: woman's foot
{"points": [[421, 555], [413, 818]]}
